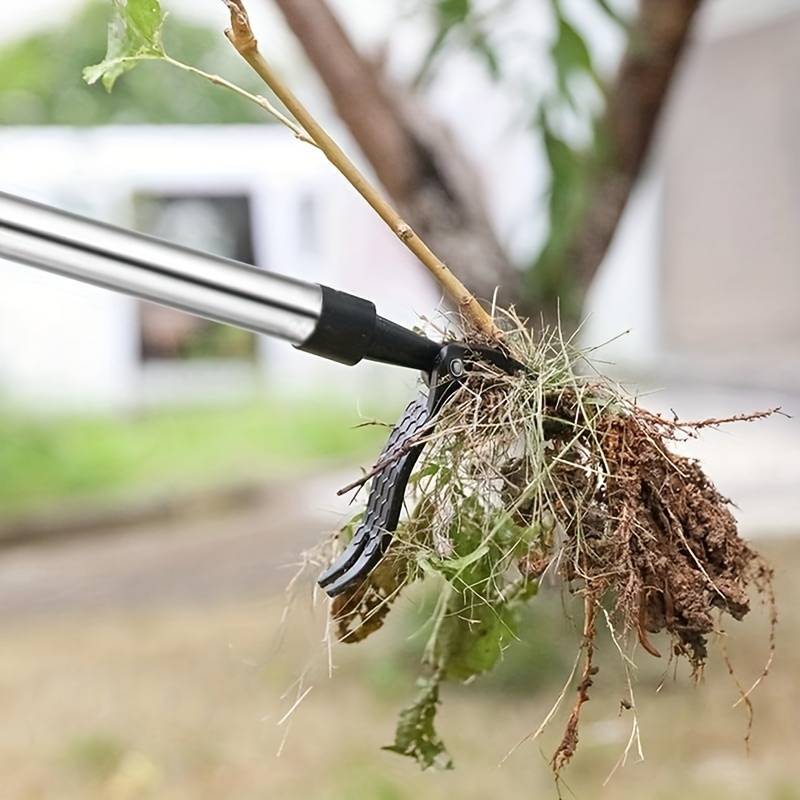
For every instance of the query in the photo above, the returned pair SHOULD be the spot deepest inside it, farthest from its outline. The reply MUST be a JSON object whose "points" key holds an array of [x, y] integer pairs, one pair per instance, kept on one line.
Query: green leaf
{"points": [[480, 43], [477, 617], [511, 536], [348, 530], [458, 20], [452, 12], [571, 55], [425, 472], [467, 531], [478, 620], [567, 172], [134, 34], [570, 172], [416, 735], [146, 19], [471, 637], [613, 14], [455, 566]]}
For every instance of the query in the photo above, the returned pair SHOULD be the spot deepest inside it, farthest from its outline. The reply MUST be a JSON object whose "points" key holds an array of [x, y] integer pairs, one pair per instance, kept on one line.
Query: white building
{"points": [[67, 344], [710, 233], [704, 269]]}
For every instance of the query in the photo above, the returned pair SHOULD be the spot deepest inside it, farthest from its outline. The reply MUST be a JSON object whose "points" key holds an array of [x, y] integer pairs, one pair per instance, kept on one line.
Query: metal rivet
{"points": [[457, 368]]}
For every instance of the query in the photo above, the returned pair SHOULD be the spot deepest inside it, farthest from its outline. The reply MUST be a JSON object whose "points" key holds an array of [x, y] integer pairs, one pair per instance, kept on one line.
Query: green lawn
{"points": [[46, 460]]}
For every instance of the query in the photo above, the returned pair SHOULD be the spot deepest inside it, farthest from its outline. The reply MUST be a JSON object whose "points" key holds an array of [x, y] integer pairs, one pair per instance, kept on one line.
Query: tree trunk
{"points": [[437, 189], [413, 156], [635, 102]]}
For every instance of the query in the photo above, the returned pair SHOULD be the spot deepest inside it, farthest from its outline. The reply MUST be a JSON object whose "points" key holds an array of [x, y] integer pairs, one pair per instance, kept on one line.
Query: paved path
{"points": [[208, 560]]}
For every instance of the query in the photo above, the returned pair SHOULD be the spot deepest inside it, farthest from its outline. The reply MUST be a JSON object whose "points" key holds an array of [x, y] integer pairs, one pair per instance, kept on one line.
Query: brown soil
{"points": [[655, 541], [678, 553]]}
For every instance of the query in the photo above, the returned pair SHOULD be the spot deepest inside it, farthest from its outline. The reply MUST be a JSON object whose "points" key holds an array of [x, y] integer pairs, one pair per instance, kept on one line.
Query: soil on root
{"points": [[673, 542], [657, 541]]}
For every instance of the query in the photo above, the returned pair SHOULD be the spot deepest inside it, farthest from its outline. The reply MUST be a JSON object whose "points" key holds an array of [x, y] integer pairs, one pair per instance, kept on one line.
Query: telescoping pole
{"points": [[312, 317]]}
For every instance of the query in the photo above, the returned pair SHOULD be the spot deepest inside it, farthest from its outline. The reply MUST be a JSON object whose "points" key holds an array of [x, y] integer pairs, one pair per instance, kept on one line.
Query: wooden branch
{"points": [[241, 36]]}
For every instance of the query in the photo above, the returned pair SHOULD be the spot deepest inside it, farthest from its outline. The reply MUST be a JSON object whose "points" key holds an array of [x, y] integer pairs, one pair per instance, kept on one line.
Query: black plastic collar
{"points": [[350, 329]]}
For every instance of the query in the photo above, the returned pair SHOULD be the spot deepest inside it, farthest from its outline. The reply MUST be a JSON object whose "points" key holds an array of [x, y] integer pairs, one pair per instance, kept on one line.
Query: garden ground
{"points": [[179, 696]]}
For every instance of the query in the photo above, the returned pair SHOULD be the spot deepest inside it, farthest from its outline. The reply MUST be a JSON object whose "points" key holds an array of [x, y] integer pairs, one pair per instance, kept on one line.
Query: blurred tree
{"points": [[413, 155], [592, 173], [40, 79], [591, 184]]}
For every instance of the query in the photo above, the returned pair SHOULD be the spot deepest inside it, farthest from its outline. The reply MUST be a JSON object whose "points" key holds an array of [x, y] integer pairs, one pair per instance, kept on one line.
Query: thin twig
{"points": [[242, 38], [384, 462], [711, 422], [258, 99]]}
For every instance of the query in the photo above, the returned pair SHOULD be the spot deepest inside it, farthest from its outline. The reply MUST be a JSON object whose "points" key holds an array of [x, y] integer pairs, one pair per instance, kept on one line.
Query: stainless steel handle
{"points": [[113, 258]]}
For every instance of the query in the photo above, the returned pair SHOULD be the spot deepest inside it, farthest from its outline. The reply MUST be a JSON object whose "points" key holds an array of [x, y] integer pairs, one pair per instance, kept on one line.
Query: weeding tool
{"points": [[312, 317]]}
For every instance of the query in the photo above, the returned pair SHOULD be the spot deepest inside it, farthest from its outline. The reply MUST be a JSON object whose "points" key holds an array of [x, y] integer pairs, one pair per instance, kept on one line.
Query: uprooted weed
{"points": [[560, 472]]}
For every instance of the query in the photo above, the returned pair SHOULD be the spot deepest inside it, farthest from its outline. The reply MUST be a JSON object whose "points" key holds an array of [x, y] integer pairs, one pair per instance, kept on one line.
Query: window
{"points": [[218, 224]]}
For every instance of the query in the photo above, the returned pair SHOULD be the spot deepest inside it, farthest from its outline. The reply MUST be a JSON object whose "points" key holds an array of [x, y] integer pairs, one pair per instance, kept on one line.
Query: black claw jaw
{"points": [[374, 534]]}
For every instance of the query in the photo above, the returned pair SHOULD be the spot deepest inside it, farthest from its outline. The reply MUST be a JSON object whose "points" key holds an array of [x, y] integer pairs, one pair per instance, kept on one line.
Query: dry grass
{"points": [[183, 704]]}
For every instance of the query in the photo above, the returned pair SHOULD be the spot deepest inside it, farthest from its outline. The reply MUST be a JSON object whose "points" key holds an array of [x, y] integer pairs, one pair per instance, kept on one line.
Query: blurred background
{"points": [[628, 167]]}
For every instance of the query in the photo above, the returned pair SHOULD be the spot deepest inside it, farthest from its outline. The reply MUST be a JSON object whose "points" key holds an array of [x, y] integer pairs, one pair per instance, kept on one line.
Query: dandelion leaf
{"points": [[416, 735], [471, 640], [478, 621]]}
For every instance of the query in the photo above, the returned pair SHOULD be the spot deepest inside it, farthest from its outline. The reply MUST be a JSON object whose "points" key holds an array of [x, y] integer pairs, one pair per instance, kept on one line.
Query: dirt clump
{"points": [[653, 539], [673, 540]]}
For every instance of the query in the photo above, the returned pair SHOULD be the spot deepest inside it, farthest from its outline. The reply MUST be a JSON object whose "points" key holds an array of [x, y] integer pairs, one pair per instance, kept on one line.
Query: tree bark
{"points": [[635, 103], [413, 156]]}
